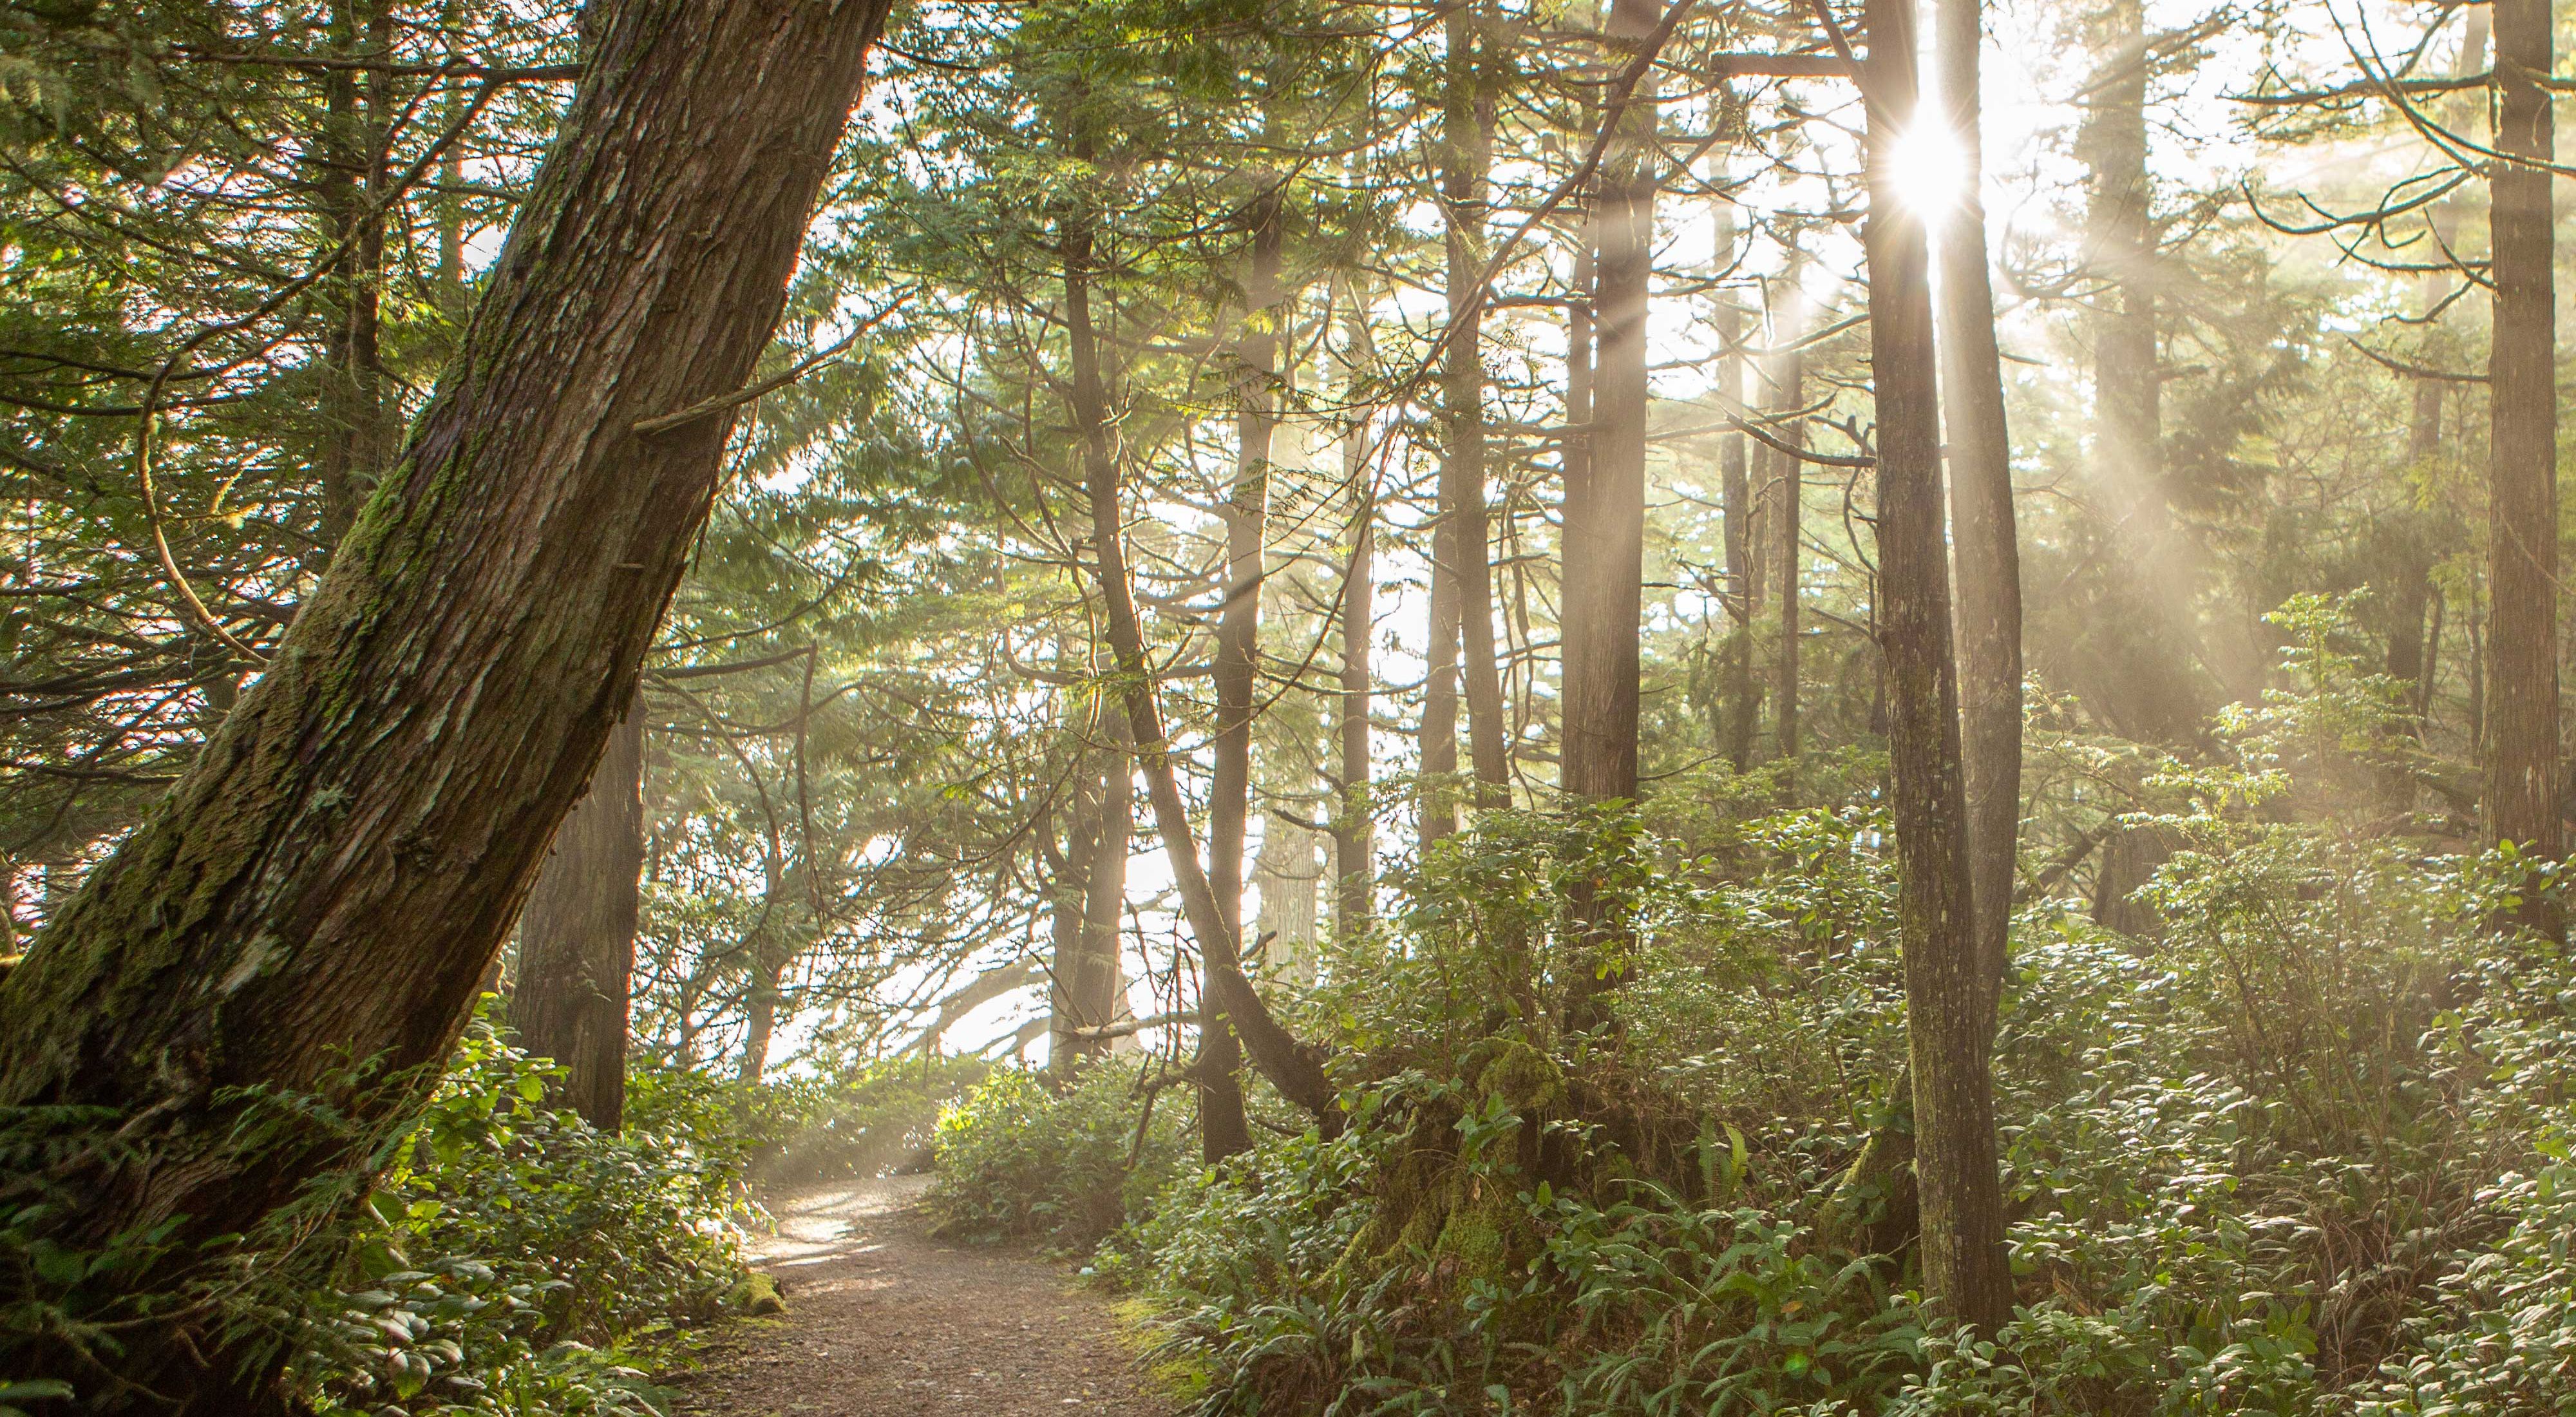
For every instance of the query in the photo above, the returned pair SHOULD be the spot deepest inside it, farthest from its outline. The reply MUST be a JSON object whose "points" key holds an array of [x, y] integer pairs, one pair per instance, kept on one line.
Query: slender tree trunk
{"points": [[577, 935], [1742, 711], [1289, 1065], [1946, 983], [1238, 649], [1787, 520], [1468, 142], [1084, 991], [2522, 767], [359, 433], [326, 884], [763, 993], [1983, 537], [1354, 826]]}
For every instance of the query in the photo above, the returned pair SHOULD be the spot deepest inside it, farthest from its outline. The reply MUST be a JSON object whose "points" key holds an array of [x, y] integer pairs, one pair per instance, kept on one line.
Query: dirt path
{"points": [[883, 1321]]}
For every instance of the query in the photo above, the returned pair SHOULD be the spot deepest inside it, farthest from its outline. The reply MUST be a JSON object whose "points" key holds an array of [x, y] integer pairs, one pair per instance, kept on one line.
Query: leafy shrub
{"points": [[1018, 1160], [513, 1259]]}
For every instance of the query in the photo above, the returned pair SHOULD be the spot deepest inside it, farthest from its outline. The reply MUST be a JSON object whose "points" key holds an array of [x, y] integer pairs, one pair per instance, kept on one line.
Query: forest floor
{"points": [[884, 1321]]}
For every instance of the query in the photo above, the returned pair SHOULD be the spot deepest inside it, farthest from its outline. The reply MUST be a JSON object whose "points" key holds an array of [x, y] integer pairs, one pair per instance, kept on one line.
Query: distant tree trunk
{"points": [[2152, 690], [1354, 824], [1948, 1019], [1288, 873], [1787, 508], [1983, 537], [1742, 711], [577, 935], [2522, 768], [360, 430], [327, 882], [763, 992], [1605, 512], [1084, 990], [2146, 630]]}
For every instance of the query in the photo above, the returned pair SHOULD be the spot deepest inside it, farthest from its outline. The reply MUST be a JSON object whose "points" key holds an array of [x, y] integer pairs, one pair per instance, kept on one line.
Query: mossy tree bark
{"points": [[1948, 1018], [309, 912], [577, 936]]}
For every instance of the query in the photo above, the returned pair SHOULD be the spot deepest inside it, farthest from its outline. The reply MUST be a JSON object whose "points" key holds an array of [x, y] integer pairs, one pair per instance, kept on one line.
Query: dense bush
{"points": [[514, 1259], [1018, 1160]]}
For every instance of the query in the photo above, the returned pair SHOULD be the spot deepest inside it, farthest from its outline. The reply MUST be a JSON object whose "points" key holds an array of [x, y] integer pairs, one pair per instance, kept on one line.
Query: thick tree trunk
{"points": [[1948, 1020], [1605, 525], [577, 935], [2522, 768], [1983, 538], [309, 912]]}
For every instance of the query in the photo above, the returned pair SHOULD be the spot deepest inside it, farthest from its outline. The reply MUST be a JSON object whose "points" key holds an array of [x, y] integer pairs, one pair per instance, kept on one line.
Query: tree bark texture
{"points": [[1984, 540], [577, 935], [2522, 769], [1950, 1038], [310, 910]]}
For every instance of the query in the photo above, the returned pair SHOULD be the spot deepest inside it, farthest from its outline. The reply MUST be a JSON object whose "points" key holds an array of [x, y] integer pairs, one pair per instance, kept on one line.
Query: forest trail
{"points": [[884, 1321]]}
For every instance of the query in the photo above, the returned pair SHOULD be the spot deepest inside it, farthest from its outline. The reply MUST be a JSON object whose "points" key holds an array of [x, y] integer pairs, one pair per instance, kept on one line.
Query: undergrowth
{"points": [[2306, 1150]]}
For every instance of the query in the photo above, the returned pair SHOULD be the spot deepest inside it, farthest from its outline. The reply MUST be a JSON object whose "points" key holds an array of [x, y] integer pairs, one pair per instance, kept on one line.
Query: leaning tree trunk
{"points": [[2522, 449], [1947, 1017], [1987, 548], [1290, 1066], [299, 931], [577, 936]]}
